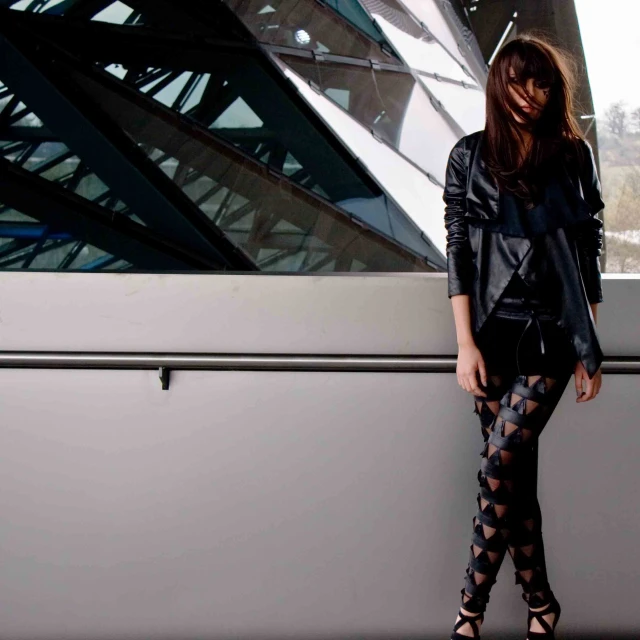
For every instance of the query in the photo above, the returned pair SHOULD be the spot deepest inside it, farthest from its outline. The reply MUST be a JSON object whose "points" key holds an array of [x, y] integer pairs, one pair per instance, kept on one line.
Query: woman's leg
{"points": [[514, 413], [482, 570], [537, 396]]}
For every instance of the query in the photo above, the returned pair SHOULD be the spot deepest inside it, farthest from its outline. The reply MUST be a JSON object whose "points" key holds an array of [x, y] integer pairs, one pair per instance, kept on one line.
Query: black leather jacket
{"points": [[481, 262]]}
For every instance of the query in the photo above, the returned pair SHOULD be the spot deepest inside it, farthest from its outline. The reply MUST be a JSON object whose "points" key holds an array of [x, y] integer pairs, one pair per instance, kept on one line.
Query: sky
{"points": [[611, 42]]}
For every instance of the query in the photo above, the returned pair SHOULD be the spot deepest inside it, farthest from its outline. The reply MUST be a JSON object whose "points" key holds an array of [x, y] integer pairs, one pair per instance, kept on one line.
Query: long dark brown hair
{"points": [[554, 134]]}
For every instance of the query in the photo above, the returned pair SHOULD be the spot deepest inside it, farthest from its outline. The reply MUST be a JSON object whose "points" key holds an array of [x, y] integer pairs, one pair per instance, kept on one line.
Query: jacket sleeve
{"points": [[459, 256], [589, 238]]}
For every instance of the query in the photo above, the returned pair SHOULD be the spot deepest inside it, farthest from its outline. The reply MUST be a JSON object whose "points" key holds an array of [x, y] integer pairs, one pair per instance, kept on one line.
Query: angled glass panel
{"points": [[428, 12], [421, 51], [426, 137], [306, 24], [377, 99], [242, 104], [418, 196], [465, 104], [295, 237], [389, 103], [281, 226]]}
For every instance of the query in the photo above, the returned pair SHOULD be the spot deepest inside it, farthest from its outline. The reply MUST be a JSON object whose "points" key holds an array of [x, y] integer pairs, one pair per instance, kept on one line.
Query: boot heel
{"points": [[548, 633]]}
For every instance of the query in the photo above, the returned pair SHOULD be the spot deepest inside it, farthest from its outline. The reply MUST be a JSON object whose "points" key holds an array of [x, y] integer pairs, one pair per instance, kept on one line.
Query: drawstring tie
{"points": [[532, 316]]}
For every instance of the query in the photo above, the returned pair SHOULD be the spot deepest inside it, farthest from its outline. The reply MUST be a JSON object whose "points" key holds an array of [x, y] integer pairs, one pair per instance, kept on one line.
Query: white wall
{"points": [[252, 504]]}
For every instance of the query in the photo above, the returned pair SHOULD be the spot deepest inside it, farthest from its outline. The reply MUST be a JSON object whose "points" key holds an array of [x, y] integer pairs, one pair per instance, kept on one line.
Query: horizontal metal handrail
{"points": [[256, 362]]}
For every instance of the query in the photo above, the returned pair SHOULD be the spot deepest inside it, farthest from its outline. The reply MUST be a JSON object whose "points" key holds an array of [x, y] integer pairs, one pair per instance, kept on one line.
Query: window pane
{"points": [[414, 192], [610, 40], [240, 102]]}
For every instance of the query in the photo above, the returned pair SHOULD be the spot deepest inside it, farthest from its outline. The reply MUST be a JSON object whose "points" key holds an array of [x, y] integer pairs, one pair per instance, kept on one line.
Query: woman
{"points": [[524, 280]]}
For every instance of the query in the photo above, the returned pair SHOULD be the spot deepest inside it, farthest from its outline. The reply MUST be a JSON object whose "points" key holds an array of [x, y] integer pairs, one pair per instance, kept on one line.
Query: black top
{"points": [[517, 288], [533, 223], [560, 206]]}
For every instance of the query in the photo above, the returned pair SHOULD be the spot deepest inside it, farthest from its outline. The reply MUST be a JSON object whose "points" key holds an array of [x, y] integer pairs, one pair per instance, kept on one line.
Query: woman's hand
{"points": [[470, 362], [593, 385]]}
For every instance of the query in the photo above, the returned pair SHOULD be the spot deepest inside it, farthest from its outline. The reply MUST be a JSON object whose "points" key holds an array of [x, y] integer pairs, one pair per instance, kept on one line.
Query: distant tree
{"points": [[616, 118], [627, 215], [623, 256], [635, 120]]}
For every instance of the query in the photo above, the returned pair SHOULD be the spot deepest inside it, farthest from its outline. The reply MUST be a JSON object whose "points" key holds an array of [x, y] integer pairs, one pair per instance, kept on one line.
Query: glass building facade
{"points": [[236, 135]]}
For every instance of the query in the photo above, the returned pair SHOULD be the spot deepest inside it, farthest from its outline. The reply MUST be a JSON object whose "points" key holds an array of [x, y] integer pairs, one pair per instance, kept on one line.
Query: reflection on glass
{"points": [[242, 104], [300, 238], [306, 24], [279, 225]]}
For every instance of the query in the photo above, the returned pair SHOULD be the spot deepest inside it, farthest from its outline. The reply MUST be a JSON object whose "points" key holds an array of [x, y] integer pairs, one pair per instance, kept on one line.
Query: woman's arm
{"points": [[462, 314], [461, 272], [459, 257], [590, 235], [589, 244]]}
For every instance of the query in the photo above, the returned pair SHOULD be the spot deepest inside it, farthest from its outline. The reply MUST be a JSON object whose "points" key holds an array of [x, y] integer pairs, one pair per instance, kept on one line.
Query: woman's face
{"points": [[531, 97]]}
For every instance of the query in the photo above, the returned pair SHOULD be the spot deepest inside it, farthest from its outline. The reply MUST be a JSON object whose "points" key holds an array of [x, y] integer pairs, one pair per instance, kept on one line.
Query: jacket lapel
{"points": [[483, 200]]}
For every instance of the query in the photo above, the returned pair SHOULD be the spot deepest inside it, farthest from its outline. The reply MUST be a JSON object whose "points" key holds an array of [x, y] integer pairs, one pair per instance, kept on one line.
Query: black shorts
{"points": [[509, 349]]}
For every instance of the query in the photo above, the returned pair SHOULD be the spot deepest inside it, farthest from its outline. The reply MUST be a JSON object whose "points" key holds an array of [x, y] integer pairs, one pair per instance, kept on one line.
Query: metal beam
{"points": [[113, 156], [115, 233]]}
